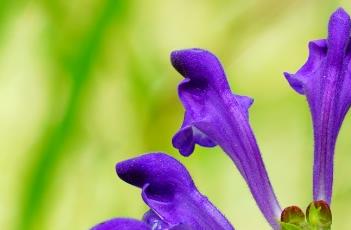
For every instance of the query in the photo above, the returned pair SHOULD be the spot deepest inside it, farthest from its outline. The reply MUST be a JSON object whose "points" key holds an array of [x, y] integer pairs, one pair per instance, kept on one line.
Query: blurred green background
{"points": [[85, 84]]}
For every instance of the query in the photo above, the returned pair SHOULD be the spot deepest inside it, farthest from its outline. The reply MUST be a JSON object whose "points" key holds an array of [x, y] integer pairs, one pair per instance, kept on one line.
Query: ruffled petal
{"points": [[121, 224], [325, 81], [186, 138], [318, 51], [221, 118], [169, 191]]}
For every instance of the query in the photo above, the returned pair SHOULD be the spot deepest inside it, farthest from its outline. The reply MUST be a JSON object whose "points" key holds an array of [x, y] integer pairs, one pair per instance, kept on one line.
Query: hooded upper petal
{"points": [[121, 224], [325, 81], [216, 116], [169, 191]]}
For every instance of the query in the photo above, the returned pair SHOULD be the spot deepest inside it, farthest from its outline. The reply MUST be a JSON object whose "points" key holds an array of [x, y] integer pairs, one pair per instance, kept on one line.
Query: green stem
{"points": [[41, 172]]}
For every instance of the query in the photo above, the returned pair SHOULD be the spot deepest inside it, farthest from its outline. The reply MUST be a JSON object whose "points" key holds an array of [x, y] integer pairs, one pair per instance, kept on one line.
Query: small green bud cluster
{"points": [[318, 217]]}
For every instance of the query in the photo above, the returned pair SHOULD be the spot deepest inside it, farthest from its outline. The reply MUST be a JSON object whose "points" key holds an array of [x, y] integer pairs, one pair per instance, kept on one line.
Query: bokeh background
{"points": [[85, 84]]}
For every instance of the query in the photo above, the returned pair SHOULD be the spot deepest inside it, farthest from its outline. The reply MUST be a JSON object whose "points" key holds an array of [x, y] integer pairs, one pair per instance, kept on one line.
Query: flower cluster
{"points": [[214, 115]]}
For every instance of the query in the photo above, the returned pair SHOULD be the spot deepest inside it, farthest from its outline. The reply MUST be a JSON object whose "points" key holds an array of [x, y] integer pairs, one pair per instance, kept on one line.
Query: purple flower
{"points": [[325, 80], [169, 191], [216, 116], [122, 224]]}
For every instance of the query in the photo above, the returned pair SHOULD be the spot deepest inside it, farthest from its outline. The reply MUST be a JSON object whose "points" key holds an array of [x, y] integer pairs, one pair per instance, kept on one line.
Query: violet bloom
{"points": [[169, 191], [325, 80], [216, 116]]}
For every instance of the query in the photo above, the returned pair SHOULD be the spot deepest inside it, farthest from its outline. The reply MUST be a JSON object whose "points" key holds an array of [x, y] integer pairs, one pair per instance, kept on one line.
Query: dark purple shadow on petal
{"points": [[181, 227], [121, 224], [222, 118], [169, 191], [325, 80]]}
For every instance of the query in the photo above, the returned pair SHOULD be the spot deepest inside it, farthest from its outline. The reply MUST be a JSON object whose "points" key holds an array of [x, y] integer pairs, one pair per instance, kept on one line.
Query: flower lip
{"points": [[169, 191], [186, 138], [196, 63], [318, 50], [154, 170]]}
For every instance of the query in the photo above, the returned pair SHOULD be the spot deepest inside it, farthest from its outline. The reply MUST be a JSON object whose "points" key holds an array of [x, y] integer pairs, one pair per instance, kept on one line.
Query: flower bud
{"points": [[318, 214], [293, 215]]}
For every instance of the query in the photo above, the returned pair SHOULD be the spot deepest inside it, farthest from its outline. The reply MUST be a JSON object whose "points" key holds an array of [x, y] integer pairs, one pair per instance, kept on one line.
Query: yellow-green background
{"points": [[85, 84]]}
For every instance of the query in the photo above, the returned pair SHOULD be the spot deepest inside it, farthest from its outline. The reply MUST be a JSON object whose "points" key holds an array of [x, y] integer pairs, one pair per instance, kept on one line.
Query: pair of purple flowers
{"points": [[216, 116]]}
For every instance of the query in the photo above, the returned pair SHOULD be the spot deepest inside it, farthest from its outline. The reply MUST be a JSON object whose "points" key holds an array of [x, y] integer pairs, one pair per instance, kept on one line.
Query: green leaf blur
{"points": [[85, 84]]}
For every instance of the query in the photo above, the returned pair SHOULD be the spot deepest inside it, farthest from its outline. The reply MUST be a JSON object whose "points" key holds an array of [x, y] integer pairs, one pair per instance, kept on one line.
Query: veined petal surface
{"points": [[169, 191], [325, 81], [216, 116]]}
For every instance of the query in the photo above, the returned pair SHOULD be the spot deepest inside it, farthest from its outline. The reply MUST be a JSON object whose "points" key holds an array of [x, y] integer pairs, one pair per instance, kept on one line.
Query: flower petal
{"points": [[156, 223], [222, 118], [169, 191], [318, 50], [181, 227], [153, 220], [325, 80], [122, 224], [188, 136]]}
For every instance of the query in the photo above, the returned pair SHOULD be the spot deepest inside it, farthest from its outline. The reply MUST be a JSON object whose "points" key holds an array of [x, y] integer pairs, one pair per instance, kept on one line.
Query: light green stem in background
{"points": [[50, 152]]}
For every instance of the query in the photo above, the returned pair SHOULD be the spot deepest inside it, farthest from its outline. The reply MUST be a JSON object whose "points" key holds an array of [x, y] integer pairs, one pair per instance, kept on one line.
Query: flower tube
{"points": [[325, 81], [216, 116]]}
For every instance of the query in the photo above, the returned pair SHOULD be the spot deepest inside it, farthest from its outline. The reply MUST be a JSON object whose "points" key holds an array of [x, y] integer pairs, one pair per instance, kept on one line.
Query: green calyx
{"points": [[292, 218], [318, 217]]}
